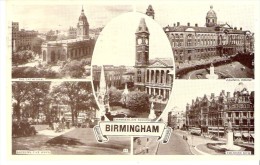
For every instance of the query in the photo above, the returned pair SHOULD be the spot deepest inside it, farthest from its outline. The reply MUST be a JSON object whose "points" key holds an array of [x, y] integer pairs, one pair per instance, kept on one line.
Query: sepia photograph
{"points": [[135, 80], [142, 80], [210, 120], [58, 118], [60, 46]]}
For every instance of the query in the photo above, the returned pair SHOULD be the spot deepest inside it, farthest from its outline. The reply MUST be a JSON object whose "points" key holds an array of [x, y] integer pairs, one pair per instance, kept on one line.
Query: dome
{"points": [[241, 87], [82, 17], [211, 13]]}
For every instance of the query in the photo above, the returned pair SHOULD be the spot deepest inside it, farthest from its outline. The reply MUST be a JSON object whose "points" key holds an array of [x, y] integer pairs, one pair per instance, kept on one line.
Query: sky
{"points": [[59, 15], [185, 90], [116, 43]]}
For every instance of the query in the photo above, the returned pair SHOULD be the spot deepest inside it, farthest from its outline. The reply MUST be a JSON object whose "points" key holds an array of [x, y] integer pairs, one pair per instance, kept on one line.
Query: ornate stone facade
{"points": [[211, 113], [193, 42]]}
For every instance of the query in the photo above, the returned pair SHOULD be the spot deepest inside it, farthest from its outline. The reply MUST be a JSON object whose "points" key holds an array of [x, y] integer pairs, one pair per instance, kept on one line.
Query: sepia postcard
{"points": [[125, 79]]}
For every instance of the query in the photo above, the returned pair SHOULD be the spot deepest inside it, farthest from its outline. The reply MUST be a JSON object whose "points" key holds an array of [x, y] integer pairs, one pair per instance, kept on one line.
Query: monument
{"points": [[230, 140], [211, 74], [152, 114], [102, 96]]}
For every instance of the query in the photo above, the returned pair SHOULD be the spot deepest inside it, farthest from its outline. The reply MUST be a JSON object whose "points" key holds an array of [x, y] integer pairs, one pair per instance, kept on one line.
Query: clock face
{"points": [[146, 41], [139, 41]]}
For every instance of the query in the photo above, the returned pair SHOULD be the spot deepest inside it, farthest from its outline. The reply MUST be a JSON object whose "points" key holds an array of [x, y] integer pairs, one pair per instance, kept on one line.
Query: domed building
{"points": [[210, 113], [211, 18], [82, 26], [193, 42], [69, 49]]}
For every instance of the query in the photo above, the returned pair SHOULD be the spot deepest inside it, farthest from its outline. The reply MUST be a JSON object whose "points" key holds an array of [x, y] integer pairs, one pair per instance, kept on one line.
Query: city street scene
{"points": [[58, 118], [211, 120], [62, 47], [136, 83]]}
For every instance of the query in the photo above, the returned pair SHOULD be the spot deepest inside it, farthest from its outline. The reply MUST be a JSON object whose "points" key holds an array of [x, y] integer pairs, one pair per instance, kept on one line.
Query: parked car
{"points": [[195, 131]]}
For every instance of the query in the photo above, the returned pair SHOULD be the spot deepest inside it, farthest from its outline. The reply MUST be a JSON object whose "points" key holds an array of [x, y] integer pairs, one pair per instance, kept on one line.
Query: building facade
{"points": [[22, 39], [211, 113], [72, 33], [114, 76], [151, 75], [177, 119], [63, 50], [192, 42]]}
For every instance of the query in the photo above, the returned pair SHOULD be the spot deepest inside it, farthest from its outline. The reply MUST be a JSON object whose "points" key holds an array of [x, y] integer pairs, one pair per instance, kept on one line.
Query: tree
{"points": [[115, 96], [33, 94], [78, 95], [22, 57], [137, 101], [73, 69], [38, 97]]}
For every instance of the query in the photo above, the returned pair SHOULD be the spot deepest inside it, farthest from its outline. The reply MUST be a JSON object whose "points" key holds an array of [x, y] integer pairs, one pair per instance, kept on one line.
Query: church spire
{"points": [[102, 82], [82, 10]]}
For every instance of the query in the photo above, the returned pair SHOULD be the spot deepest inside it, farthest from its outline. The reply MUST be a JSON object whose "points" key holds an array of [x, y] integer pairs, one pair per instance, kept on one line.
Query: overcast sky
{"points": [[186, 90], [116, 43], [59, 15]]}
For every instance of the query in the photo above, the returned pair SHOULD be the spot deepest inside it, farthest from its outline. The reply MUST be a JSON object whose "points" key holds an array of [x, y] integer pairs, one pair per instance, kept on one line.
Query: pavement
{"points": [[175, 146], [197, 144], [52, 133], [233, 69]]}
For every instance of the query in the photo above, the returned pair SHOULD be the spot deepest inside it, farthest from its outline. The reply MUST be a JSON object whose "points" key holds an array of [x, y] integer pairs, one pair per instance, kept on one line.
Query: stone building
{"points": [[80, 47], [22, 39], [72, 33], [151, 75], [114, 75], [194, 42], [210, 113], [177, 119]]}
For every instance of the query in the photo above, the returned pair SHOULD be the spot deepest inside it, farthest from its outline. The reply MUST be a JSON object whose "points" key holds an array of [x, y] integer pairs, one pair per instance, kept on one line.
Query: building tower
{"points": [[211, 18], [102, 95], [150, 11], [82, 26], [142, 54]]}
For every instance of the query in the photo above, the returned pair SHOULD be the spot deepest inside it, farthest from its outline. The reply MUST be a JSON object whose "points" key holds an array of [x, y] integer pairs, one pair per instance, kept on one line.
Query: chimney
{"points": [[178, 23], [212, 95], [235, 28], [228, 94], [223, 91], [192, 101], [196, 25], [240, 28], [174, 24], [188, 24]]}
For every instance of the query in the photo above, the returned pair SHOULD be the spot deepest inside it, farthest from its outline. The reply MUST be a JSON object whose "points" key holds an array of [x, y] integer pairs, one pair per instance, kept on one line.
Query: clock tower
{"points": [[141, 54], [150, 11], [82, 26]]}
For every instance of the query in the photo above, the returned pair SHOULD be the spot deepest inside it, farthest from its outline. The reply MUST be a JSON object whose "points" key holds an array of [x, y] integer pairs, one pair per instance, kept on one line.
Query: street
{"points": [[176, 146], [79, 141]]}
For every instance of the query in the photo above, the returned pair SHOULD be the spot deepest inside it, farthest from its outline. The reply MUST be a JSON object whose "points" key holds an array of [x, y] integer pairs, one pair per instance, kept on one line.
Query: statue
{"points": [[152, 113], [229, 127]]}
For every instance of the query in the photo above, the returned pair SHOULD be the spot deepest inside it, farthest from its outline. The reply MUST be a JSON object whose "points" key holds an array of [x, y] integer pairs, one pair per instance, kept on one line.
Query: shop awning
{"points": [[245, 134], [237, 134]]}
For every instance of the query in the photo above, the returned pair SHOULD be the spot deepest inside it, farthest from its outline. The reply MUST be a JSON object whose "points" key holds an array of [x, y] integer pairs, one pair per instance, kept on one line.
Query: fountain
{"points": [[211, 74]]}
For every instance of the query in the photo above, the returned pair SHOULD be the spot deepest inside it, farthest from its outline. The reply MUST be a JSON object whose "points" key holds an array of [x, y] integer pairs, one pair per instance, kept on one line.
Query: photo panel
{"points": [[210, 117], [57, 118]]}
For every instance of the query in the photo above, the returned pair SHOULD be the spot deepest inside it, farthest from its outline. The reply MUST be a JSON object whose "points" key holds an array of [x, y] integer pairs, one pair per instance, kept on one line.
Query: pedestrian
{"points": [[62, 123]]}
